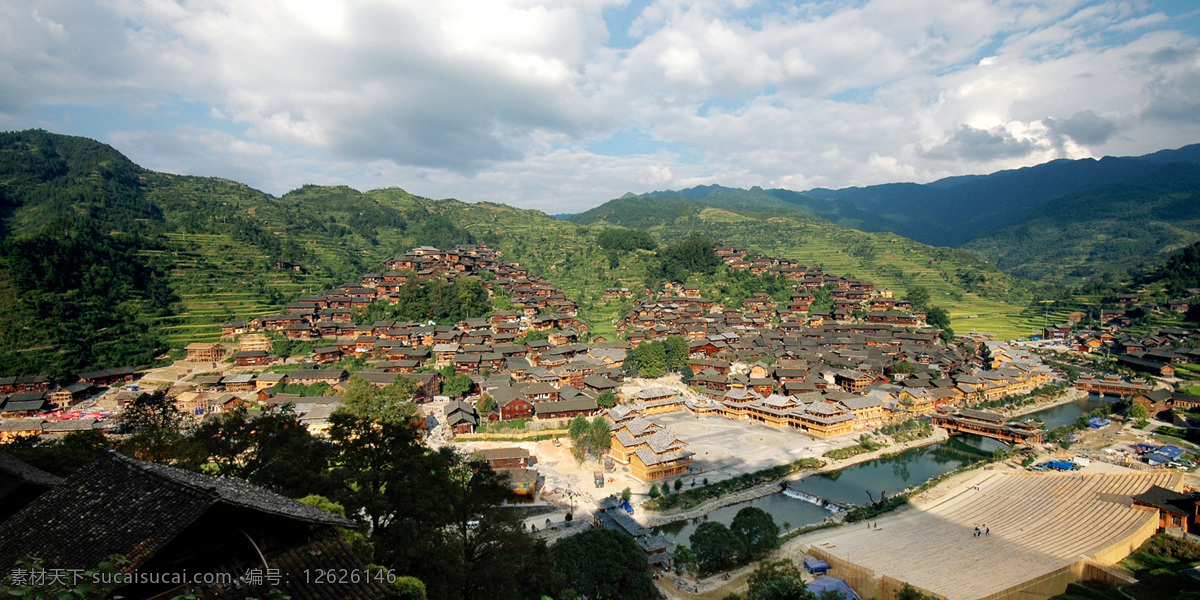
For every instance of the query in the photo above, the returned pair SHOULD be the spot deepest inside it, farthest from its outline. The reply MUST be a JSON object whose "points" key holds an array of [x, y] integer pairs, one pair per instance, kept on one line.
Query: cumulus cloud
{"points": [[502, 99], [1084, 127], [982, 145]]}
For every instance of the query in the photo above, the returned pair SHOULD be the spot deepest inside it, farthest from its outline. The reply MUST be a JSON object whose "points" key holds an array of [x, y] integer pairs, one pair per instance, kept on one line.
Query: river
{"points": [[889, 474], [1063, 414]]}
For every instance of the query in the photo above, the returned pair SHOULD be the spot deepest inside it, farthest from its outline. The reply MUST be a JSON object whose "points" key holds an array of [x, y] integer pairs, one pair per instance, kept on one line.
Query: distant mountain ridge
{"points": [[999, 216]]}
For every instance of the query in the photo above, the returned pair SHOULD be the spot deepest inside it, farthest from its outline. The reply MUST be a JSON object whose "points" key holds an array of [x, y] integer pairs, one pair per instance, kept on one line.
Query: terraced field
{"points": [[216, 280], [975, 293]]}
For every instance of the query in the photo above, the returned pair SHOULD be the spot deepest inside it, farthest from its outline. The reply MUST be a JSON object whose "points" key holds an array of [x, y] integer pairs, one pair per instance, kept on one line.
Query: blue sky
{"points": [[561, 106]]}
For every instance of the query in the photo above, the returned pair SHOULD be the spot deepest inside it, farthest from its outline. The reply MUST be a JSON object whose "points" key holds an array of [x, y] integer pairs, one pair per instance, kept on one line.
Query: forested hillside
{"points": [[76, 281], [961, 281], [1007, 217], [1116, 229]]}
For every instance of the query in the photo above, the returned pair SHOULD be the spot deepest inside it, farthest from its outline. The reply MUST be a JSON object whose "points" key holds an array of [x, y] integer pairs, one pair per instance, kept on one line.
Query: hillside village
{"points": [[868, 362], [528, 369], [832, 366]]}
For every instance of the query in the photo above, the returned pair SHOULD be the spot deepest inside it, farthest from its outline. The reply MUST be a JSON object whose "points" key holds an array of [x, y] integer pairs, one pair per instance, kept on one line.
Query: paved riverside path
{"points": [[1038, 522]]}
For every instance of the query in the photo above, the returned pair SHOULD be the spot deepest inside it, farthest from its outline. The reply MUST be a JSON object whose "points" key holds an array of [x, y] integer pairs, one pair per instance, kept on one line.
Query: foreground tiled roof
{"points": [[118, 505]]}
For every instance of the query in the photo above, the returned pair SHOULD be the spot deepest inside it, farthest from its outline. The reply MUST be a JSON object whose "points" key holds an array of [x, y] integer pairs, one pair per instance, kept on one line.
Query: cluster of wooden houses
{"points": [[28, 396], [1157, 354], [537, 305]]}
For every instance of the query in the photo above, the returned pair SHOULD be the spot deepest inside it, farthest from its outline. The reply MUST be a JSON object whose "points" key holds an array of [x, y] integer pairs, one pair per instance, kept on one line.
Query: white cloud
{"points": [[500, 99]]}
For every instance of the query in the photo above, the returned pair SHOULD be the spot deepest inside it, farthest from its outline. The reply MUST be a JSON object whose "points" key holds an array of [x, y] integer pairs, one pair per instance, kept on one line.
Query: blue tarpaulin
{"points": [[1164, 455], [1062, 465], [627, 507], [820, 584], [1098, 423], [815, 566]]}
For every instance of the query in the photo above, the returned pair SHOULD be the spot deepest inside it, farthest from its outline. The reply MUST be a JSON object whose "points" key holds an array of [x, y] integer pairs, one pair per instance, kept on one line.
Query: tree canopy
{"points": [[715, 546], [756, 529], [601, 564]]}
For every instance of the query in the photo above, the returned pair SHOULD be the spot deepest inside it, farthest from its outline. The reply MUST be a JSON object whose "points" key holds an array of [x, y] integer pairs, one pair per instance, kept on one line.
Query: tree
{"points": [[456, 386], [599, 437], [937, 317], [716, 547], [696, 254], [61, 455], [391, 403], [155, 425], [271, 449], [919, 297], [409, 588], [677, 351], [487, 405], [601, 564], [903, 367], [482, 550], [631, 364], [654, 493], [1139, 412], [678, 484], [756, 529], [626, 494], [589, 437], [606, 399], [777, 580], [685, 559], [652, 358], [908, 592], [369, 460]]}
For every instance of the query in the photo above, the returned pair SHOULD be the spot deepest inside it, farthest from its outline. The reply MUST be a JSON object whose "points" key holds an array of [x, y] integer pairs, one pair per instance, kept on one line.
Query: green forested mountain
{"points": [[1008, 217], [1180, 272], [78, 288], [949, 212], [1114, 229]]}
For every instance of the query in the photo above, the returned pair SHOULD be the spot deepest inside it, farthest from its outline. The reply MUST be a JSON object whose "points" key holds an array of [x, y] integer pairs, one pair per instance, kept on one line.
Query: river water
{"points": [[889, 474], [1067, 413]]}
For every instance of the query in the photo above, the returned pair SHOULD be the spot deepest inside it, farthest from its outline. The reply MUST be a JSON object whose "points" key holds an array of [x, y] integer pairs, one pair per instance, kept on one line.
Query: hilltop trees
{"points": [[696, 254], [654, 359]]}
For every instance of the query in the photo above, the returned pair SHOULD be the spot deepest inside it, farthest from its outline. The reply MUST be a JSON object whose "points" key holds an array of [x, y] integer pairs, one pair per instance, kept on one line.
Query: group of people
{"points": [[985, 530]]}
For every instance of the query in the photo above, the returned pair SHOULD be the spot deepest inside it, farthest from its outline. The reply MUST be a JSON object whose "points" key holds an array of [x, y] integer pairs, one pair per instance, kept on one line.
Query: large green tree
{"points": [[391, 403], [677, 352], [272, 449], [716, 547], [756, 529], [601, 564]]}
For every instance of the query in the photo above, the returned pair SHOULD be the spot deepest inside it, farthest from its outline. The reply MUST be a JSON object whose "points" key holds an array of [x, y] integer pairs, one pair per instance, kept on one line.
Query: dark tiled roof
{"points": [[1168, 500], [118, 505], [11, 467]]}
